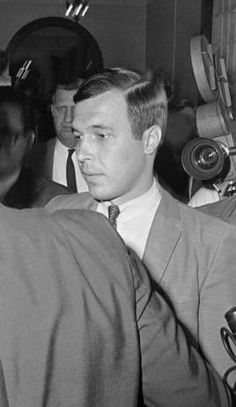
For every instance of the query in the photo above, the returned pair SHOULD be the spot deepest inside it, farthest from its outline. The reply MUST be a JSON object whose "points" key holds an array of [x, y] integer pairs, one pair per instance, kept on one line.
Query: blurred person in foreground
{"points": [[119, 122], [80, 326], [20, 187]]}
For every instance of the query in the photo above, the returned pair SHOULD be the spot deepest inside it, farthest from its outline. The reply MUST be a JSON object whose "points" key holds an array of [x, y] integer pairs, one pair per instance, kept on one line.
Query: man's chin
{"points": [[68, 140], [98, 193], [69, 145]]}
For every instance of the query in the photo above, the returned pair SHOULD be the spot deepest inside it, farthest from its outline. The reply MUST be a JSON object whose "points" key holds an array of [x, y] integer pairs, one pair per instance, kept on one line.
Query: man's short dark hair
{"points": [[73, 85], [11, 100], [146, 99]]}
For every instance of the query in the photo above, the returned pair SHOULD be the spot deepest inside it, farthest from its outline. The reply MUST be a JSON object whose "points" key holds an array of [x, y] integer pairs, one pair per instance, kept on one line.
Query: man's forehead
{"points": [[65, 96], [107, 111], [110, 103]]}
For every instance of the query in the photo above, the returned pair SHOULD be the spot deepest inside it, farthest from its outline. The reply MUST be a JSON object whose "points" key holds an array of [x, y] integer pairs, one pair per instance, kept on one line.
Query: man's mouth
{"points": [[67, 130], [88, 174]]}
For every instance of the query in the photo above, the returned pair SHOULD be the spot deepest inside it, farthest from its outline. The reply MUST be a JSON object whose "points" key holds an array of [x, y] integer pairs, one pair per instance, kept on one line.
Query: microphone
{"points": [[229, 338], [230, 317]]}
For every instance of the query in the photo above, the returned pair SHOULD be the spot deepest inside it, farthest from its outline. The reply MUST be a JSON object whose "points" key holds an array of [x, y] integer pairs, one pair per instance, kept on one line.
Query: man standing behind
{"points": [[56, 158], [120, 119]]}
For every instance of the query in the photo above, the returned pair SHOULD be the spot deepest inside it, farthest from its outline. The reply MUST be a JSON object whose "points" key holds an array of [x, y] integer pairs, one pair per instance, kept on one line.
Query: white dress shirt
{"points": [[135, 218], [204, 196], [59, 167]]}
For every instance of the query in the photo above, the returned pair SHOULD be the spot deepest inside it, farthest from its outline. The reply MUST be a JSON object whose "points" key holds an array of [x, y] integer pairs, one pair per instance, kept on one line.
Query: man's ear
{"points": [[151, 139], [31, 140]]}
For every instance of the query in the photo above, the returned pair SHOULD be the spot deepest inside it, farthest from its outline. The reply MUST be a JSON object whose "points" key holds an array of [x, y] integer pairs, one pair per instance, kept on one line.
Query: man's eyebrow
{"points": [[101, 127], [96, 127]]}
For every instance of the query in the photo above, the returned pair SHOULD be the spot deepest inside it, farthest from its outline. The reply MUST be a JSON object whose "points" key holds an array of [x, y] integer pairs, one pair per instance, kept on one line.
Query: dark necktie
{"points": [[70, 172], [113, 213]]}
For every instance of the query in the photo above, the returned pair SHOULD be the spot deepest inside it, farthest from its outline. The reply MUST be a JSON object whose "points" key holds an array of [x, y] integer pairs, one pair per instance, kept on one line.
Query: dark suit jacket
{"points": [[193, 257], [40, 158], [30, 191], [79, 325]]}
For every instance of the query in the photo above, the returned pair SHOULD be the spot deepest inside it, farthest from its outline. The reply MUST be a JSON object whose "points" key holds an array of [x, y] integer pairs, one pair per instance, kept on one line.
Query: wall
{"points": [[170, 26], [118, 26], [133, 33], [120, 32]]}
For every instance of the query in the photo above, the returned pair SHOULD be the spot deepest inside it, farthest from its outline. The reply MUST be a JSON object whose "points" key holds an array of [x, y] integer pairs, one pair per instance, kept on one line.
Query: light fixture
{"points": [[76, 8]]}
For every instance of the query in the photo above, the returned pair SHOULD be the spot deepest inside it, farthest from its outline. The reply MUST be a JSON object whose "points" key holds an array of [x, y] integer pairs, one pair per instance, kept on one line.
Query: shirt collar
{"points": [[61, 148], [140, 201], [153, 194]]}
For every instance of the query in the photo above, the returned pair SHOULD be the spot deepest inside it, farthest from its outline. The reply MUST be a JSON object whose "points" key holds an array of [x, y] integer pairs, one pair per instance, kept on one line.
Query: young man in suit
{"points": [[20, 187], [55, 159], [80, 326], [119, 121]]}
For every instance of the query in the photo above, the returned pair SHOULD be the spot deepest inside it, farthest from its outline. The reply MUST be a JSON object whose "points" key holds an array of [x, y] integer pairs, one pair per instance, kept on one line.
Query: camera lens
{"points": [[205, 157]]}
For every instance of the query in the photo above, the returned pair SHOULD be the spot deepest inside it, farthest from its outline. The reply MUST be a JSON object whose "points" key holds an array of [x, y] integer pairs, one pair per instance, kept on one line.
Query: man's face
{"points": [[112, 161], [62, 113], [12, 152]]}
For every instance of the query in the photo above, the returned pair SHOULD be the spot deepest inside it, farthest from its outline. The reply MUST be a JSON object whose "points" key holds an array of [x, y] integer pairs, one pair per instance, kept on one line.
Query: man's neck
{"points": [[134, 195]]}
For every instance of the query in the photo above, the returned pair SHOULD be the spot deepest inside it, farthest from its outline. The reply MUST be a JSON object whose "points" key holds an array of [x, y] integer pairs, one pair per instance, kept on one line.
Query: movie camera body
{"points": [[211, 157]]}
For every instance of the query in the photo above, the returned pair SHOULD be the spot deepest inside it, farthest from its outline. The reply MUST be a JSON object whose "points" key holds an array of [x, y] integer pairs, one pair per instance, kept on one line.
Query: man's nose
{"points": [[69, 114], [83, 150]]}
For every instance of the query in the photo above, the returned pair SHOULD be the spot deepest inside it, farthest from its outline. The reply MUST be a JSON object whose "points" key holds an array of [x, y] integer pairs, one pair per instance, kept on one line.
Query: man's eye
{"points": [[60, 108], [78, 136], [102, 135]]}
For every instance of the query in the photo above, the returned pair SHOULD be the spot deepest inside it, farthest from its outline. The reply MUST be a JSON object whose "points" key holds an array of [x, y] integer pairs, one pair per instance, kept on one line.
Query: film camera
{"points": [[211, 157]]}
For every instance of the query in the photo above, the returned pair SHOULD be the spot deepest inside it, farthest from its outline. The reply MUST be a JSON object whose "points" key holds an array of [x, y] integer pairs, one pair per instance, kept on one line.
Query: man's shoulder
{"points": [[82, 200], [192, 221], [32, 190], [46, 190], [224, 209], [43, 146], [36, 156]]}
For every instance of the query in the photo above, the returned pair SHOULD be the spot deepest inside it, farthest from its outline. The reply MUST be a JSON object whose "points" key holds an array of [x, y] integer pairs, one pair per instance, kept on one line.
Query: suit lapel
{"points": [[163, 236], [49, 157]]}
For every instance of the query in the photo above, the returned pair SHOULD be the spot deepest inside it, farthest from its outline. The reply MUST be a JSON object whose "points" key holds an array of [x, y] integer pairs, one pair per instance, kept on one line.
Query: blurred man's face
{"points": [[12, 151], [63, 113], [112, 161]]}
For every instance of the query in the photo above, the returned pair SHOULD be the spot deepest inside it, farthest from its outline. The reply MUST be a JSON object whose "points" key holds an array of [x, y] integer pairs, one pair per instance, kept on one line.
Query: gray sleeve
{"points": [[173, 371]]}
